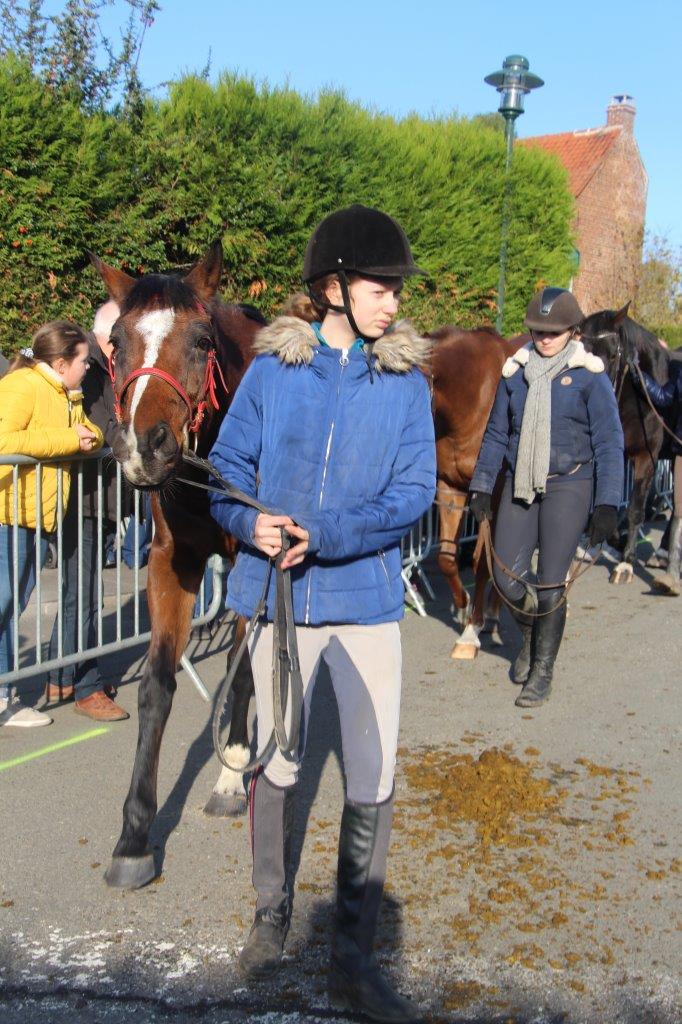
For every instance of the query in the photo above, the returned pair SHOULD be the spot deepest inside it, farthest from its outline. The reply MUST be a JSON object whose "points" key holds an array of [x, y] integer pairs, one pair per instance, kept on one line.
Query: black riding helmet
{"points": [[359, 240], [553, 309]]}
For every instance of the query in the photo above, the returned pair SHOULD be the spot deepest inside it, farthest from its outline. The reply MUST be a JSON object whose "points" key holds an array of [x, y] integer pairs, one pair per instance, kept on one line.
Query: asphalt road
{"points": [[534, 871]]}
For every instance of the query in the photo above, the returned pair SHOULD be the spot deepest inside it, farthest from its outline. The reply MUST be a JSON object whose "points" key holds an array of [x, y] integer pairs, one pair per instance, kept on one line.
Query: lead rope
{"points": [[485, 541], [287, 683]]}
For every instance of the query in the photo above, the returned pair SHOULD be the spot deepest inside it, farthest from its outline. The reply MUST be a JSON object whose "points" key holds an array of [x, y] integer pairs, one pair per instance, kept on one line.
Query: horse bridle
{"points": [[207, 395], [613, 377]]}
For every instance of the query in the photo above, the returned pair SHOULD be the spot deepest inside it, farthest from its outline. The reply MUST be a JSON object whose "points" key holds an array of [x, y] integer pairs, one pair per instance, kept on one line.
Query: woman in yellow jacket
{"points": [[41, 415]]}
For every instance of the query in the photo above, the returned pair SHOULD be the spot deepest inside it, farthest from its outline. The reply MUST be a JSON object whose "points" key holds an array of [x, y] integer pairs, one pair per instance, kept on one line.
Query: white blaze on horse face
{"points": [[154, 328]]}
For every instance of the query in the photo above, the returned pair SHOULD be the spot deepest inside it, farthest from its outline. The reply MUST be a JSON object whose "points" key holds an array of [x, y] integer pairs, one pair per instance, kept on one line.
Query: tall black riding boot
{"points": [[547, 634], [670, 581], [355, 981], [271, 814], [524, 616]]}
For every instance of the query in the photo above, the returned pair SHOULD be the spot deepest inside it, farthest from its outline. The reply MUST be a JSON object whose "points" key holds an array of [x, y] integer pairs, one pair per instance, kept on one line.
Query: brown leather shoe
{"points": [[100, 707]]}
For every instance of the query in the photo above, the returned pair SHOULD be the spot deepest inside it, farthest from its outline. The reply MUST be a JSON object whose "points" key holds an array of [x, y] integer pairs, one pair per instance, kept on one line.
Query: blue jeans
{"points": [[85, 676], [26, 559], [144, 536]]}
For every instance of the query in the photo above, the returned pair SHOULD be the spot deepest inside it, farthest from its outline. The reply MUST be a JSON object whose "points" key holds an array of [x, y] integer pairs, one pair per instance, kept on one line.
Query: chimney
{"points": [[621, 110]]}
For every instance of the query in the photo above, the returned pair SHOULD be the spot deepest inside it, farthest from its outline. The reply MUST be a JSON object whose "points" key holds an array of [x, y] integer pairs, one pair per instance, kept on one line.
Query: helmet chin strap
{"points": [[346, 308]]}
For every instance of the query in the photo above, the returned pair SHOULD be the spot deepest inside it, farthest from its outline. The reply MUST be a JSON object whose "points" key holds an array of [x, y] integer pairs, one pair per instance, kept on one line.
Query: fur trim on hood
{"points": [[581, 357], [294, 341]]}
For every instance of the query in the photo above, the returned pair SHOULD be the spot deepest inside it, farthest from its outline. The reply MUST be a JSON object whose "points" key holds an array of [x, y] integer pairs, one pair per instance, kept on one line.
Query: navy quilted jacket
{"points": [[585, 426], [351, 461]]}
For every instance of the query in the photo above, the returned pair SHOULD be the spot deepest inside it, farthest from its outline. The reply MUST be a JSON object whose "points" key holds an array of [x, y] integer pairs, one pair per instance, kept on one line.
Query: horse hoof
{"points": [[130, 872], [464, 652], [667, 585], [623, 573], [225, 805]]}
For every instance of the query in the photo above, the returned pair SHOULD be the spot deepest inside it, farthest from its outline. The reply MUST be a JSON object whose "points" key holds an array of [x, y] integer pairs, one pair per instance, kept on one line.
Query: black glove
{"points": [[603, 523], [480, 504], [633, 365]]}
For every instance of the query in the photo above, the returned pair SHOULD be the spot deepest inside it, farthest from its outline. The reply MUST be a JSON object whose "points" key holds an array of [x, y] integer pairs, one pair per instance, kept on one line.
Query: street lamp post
{"points": [[512, 82]]}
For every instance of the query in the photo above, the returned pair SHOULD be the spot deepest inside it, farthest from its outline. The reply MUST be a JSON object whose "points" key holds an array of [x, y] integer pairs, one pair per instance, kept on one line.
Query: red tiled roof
{"points": [[580, 152]]}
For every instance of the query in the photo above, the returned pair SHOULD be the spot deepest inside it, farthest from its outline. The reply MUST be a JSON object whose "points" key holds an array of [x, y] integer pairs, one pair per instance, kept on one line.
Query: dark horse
{"points": [[466, 366], [176, 347], [614, 337]]}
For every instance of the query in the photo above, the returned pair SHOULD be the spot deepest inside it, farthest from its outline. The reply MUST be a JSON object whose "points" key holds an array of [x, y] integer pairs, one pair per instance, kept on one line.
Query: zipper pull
{"points": [[344, 357]]}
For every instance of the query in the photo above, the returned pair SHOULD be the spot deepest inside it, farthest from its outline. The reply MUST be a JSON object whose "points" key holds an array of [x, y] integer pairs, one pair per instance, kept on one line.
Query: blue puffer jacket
{"points": [[667, 396], [585, 425], [351, 461]]}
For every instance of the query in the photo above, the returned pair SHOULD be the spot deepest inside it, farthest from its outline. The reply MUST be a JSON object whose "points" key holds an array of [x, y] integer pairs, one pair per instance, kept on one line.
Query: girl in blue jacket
{"points": [[555, 427], [332, 427]]}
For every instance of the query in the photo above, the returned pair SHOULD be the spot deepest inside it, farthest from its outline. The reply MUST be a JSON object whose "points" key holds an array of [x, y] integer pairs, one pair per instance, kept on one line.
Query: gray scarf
{"points": [[532, 460]]}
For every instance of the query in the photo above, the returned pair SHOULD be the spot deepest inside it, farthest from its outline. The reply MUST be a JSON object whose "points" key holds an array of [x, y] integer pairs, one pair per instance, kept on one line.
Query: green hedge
{"points": [[258, 167]]}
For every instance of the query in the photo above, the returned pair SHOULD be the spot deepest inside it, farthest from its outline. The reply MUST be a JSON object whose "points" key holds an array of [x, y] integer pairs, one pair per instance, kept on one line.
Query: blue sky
{"points": [[431, 57]]}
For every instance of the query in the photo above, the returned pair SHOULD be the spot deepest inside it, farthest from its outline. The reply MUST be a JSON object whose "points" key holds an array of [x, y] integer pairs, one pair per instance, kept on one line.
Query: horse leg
{"points": [[173, 581], [644, 474], [451, 510], [228, 799]]}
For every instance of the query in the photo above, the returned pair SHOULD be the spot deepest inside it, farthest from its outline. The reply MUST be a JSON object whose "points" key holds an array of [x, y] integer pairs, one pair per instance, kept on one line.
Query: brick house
{"points": [[608, 181]]}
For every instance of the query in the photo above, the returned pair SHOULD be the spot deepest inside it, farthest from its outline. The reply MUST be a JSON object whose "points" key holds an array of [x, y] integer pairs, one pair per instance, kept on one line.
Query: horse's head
{"points": [[162, 364], [602, 333]]}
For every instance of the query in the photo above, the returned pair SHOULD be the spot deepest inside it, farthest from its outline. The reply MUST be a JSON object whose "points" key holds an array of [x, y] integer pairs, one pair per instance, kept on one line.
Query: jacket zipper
{"points": [[343, 362], [380, 553]]}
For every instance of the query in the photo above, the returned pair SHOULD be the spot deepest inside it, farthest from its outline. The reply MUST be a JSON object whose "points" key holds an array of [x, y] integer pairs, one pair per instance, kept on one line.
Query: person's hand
{"points": [[480, 504], [297, 553], [633, 364], [86, 437], [603, 524], [266, 533]]}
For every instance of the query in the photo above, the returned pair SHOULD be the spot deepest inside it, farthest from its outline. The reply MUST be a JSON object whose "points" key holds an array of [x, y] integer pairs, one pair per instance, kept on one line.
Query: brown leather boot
{"points": [[100, 708]]}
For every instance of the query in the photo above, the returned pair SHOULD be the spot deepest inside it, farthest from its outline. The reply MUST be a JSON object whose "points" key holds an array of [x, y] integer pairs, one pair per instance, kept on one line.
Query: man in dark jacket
{"points": [[83, 681]]}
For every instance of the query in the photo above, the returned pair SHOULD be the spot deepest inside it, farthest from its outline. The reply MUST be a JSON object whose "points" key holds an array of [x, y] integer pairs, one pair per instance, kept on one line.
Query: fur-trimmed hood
{"points": [[294, 341], [581, 357]]}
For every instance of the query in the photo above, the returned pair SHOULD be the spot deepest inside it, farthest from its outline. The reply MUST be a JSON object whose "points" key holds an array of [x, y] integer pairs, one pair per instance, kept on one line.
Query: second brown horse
{"points": [[466, 366]]}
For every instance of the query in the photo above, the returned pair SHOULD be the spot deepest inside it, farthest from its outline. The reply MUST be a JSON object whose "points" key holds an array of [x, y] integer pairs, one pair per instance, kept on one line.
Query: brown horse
{"points": [[467, 366], [175, 348]]}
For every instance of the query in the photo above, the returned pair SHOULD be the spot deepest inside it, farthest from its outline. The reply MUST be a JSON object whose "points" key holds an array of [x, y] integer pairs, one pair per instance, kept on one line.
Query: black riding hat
{"points": [[362, 240], [553, 309]]}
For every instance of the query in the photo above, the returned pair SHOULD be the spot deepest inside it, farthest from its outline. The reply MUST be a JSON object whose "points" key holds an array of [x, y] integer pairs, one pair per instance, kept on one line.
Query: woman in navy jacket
{"points": [[332, 426], [555, 427], [669, 396]]}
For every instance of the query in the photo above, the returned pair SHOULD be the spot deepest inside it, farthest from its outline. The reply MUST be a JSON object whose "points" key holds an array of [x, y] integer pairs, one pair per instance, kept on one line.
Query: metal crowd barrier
{"points": [[121, 620], [418, 544]]}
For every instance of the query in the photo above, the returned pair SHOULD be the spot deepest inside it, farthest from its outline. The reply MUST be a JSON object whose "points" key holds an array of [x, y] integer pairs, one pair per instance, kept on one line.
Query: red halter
{"points": [[206, 395]]}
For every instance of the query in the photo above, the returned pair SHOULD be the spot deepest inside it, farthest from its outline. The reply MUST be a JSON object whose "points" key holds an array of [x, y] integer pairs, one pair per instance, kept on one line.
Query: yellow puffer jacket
{"points": [[37, 417]]}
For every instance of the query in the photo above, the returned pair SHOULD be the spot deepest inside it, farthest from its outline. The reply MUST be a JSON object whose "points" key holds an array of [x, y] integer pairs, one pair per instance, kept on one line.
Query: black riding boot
{"points": [[355, 981], [524, 617], [670, 581], [547, 635], [271, 814]]}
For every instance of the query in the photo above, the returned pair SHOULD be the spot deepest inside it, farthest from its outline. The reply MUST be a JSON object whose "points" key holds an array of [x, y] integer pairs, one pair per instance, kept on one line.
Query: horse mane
{"points": [[647, 344], [164, 290]]}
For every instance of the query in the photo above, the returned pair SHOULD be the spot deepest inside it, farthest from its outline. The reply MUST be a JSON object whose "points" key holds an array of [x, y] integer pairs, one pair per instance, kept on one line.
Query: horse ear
{"points": [[204, 277], [620, 315], [117, 281]]}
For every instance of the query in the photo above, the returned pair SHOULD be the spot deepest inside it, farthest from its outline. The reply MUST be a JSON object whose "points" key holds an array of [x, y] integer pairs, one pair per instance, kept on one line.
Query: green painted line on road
{"points": [[90, 735]]}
